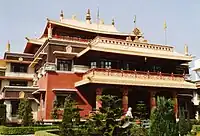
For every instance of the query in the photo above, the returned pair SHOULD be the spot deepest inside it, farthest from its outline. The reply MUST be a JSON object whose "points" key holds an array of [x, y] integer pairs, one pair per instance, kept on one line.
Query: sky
{"points": [[27, 18]]}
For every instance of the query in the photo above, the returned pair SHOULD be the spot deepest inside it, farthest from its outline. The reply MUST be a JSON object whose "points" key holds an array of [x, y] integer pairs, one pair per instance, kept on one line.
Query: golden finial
{"points": [[88, 17], [61, 15], [113, 22], [102, 21], [74, 17], [186, 49], [8, 47]]}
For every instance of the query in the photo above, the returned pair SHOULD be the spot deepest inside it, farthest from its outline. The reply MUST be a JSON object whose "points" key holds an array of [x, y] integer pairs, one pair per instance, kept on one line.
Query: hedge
{"points": [[24, 130], [2, 114], [44, 133]]}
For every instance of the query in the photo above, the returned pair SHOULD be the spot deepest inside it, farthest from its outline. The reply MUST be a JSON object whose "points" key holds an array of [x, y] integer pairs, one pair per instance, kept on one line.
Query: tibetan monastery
{"points": [[87, 60]]}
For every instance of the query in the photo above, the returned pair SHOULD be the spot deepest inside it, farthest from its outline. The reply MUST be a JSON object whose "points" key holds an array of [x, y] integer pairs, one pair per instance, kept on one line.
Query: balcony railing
{"points": [[68, 38], [18, 74], [133, 74]]}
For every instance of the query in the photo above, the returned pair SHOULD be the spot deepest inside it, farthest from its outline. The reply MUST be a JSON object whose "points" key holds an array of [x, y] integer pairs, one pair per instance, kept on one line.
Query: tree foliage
{"points": [[25, 112], [184, 124], [71, 118], [54, 113], [104, 122], [163, 121]]}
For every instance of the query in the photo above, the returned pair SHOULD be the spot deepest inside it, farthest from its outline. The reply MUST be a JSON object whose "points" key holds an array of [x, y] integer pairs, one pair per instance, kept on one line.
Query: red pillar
{"points": [[98, 96], [152, 99], [125, 100], [175, 104]]}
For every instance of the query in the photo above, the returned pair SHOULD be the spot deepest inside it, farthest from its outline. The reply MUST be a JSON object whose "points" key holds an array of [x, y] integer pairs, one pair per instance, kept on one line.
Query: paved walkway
{"points": [[16, 135]]}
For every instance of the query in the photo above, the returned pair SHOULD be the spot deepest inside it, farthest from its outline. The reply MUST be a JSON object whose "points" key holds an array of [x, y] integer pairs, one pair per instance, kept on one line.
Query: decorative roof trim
{"points": [[132, 48]]}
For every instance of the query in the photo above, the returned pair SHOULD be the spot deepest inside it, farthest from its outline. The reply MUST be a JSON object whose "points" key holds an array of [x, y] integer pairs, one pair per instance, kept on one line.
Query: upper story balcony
{"points": [[135, 78], [19, 75]]}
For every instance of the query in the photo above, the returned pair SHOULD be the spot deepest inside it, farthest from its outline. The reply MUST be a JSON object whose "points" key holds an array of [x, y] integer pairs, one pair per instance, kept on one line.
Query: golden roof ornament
{"points": [[8, 47], [21, 95], [136, 31], [101, 21], [113, 22], [128, 39], [61, 15], [88, 17], [74, 17], [186, 50]]}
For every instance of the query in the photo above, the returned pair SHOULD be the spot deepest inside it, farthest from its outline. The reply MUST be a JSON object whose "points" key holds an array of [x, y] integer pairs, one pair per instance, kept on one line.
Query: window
{"points": [[16, 67], [105, 64], [61, 99], [2, 73], [64, 65], [18, 83], [93, 64], [15, 105]]}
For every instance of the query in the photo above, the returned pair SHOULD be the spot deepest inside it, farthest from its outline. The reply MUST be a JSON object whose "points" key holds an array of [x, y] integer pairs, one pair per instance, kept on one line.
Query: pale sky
{"points": [[27, 18]]}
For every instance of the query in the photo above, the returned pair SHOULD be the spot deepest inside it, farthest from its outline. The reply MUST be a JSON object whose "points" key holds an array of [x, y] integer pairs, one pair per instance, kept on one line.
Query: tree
{"points": [[71, 118], [182, 124], [2, 114], [54, 113], [163, 121], [25, 112], [104, 122]]}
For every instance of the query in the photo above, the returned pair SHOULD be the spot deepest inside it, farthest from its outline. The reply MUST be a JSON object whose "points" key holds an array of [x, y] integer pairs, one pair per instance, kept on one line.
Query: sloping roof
{"points": [[134, 48], [93, 27]]}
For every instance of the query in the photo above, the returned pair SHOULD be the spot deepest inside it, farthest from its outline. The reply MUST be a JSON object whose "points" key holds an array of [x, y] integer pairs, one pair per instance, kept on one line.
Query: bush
{"points": [[24, 130], [138, 131], [2, 114]]}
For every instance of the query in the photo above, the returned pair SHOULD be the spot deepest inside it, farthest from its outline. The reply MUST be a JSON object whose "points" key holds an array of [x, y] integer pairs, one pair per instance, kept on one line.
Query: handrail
{"points": [[110, 71], [69, 38]]}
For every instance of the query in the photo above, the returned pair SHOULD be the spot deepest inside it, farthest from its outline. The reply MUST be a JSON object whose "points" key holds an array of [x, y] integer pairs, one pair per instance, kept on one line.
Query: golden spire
{"points": [[88, 17], [8, 47], [186, 49], [61, 15], [113, 22]]}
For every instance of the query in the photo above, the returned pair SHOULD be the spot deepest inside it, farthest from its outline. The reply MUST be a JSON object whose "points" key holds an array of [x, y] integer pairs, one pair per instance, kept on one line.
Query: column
{"points": [[8, 110], [98, 100], [125, 100], [175, 104], [152, 99]]}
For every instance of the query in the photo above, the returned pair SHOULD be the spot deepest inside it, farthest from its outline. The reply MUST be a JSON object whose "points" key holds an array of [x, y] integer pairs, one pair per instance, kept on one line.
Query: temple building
{"points": [[87, 59]]}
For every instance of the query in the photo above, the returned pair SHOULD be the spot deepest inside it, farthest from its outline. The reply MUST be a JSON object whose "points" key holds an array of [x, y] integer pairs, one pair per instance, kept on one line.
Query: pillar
{"points": [[175, 104], [8, 110], [98, 96], [152, 100], [125, 100]]}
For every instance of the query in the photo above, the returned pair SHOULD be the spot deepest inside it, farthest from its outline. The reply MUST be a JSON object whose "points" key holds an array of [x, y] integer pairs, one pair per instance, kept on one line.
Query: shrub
{"points": [[71, 117], [24, 130], [138, 131], [54, 112], [25, 112], [2, 114]]}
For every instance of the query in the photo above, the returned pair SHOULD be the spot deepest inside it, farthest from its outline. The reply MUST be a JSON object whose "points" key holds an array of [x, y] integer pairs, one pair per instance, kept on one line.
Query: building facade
{"points": [[87, 60], [16, 78]]}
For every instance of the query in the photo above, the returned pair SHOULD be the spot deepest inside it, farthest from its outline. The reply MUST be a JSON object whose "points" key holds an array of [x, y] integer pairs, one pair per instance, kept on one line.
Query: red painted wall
{"points": [[54, 80]]}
